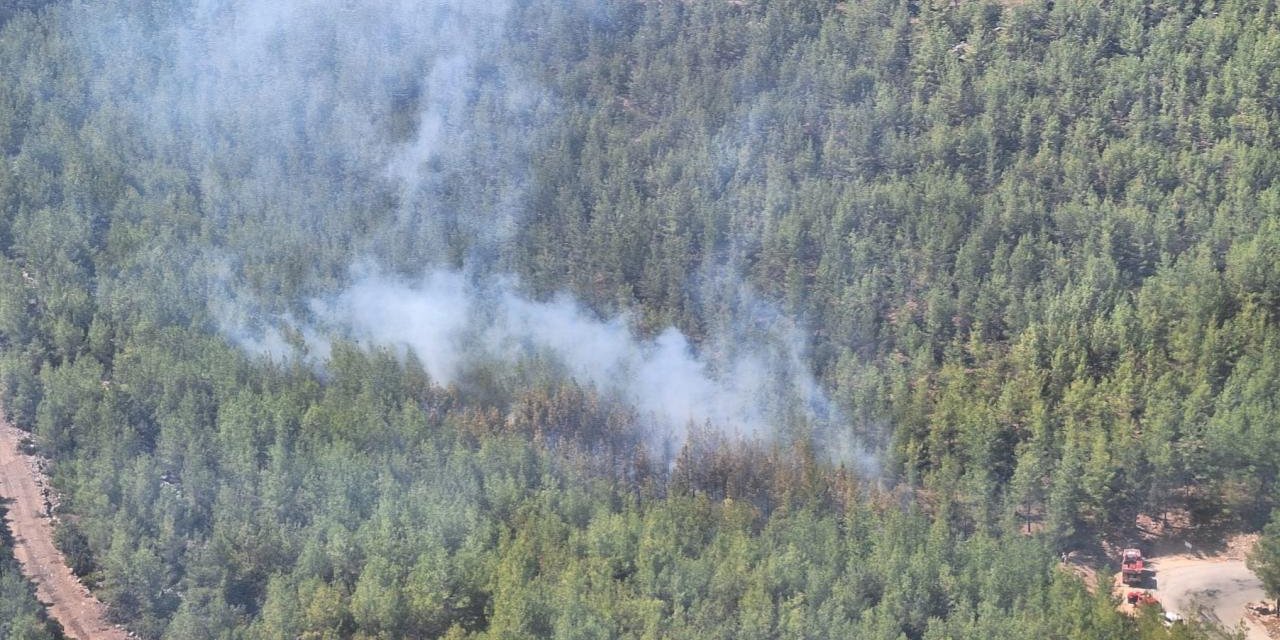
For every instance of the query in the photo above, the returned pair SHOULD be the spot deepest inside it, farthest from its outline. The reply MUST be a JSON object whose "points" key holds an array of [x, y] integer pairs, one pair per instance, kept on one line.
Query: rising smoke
{"points": [[402, 132], [449, 323]]}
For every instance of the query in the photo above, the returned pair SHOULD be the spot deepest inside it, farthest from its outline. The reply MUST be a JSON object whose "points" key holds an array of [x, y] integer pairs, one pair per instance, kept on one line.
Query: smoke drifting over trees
{"points": [[759, 383], [350, 319], [409, 129]]}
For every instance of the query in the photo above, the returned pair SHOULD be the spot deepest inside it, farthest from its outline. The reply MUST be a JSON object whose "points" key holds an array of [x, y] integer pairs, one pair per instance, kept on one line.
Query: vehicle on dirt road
{"points": [[1141, 598], [1133, 566]]}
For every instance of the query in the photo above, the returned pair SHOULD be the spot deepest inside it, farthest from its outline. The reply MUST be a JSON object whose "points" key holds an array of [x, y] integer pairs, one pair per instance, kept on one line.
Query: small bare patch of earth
{"points": [[1265, 615], [1084, 566]]}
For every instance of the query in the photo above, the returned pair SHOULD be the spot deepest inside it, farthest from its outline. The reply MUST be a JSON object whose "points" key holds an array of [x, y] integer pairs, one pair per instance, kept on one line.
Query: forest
{"points": [[1005, 276]]}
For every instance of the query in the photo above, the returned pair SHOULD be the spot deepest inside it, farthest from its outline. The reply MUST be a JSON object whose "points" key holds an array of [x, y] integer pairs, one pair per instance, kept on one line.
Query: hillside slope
{"points": [[1019, 260]]}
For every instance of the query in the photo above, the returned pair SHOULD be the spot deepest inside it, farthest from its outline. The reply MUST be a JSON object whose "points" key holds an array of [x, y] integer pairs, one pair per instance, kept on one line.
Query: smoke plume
{"points": [[400, 134], [449, 323]]}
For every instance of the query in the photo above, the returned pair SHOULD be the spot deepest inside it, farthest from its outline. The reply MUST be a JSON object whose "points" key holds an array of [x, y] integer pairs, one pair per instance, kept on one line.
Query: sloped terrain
{"points": [[69, 602]]}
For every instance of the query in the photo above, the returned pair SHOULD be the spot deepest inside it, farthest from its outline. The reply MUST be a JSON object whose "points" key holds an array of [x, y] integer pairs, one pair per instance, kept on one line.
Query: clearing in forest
{"points": [[1215, 585]]}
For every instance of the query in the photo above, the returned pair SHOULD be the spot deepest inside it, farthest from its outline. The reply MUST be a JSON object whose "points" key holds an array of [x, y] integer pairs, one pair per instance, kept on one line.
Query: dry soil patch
{"points": [[1220, 586], [69, 602]]}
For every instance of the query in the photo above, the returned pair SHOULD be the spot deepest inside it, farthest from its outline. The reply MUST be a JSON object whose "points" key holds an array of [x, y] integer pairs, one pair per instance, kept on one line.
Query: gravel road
{"points": [[70, 603], [1222, 586]]}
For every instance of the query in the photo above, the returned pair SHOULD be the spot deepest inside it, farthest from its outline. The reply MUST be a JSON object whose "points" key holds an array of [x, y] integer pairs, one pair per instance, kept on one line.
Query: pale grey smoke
{"points": [[448, 323], [430, 318], [382, 127], [401, 132]]}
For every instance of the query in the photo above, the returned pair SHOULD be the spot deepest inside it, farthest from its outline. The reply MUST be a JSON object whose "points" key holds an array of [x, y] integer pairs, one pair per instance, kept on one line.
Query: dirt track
{"points": [[1223, 586], [70, 603]]}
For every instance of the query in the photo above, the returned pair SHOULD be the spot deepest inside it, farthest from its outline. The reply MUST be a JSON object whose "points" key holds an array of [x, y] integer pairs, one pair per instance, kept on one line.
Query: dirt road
{"points": [[1222, 585], [81, 615]]}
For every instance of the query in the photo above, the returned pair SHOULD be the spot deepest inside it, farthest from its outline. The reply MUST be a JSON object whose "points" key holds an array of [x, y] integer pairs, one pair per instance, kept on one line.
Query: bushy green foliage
{"points": [[1035, 245], [1264, 560], [1031, 239]]}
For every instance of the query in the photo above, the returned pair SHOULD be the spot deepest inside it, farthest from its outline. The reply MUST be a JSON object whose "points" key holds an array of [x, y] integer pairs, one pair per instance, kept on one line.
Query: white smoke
{"points": [[750, 382], [449, 323], [292, 113]]}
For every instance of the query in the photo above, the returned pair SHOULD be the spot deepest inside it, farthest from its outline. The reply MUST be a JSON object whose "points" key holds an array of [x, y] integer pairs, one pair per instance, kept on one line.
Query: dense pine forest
{"points": [[1018, 264]]}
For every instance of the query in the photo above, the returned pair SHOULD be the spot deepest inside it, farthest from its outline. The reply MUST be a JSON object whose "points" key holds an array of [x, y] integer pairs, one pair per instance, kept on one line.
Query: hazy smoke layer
{"points": [[450, 323], [396, 129], [398, 134]]}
